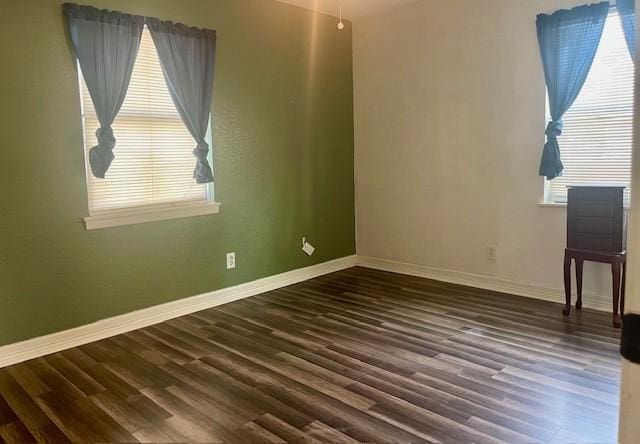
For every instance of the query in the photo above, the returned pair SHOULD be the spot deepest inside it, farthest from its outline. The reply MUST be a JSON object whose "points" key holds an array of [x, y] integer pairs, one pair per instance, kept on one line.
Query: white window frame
{"points": [[145, 213]]}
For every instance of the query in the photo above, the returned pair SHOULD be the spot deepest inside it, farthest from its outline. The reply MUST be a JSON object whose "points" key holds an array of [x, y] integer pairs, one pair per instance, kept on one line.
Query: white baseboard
{"points": [[594, 302], [105, 328]]}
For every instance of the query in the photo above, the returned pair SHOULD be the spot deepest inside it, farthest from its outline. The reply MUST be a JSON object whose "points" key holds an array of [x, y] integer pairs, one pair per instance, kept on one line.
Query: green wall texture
{"points": [[283, 163]]}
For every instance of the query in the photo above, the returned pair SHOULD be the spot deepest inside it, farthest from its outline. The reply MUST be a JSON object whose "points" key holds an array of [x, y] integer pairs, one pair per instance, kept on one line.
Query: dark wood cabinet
{"points": [[596, 219], [596, 231]]}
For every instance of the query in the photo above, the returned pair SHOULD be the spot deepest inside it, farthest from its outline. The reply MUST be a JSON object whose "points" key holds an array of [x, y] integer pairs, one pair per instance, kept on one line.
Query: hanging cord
{"points": [[186, 193]]}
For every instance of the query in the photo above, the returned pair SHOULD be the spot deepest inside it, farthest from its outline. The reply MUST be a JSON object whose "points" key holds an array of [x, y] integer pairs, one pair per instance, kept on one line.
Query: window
{"points": [[596, 141], [153, 167]]}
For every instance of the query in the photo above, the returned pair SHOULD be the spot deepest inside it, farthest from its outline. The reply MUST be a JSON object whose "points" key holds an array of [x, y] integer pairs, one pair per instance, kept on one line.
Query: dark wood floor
{"points": [[359, 355]]}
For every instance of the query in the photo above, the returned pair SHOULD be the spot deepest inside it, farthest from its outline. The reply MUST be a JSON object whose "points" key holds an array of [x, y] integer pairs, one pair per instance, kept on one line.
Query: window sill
{"points": [[552, 204], [562, 205], [143, 215]]}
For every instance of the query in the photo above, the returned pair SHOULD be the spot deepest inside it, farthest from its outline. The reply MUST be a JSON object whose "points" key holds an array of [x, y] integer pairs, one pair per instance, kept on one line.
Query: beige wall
{"points": [[449, 127]]}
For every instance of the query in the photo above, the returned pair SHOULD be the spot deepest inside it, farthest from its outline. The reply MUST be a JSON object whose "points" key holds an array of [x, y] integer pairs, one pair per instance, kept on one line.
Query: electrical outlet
{"points": [[491, 253], [231, 260]]}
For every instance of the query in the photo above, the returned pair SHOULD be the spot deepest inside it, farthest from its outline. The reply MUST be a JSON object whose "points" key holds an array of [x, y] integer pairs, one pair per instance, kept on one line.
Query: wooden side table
{"points": [[618, 263]]}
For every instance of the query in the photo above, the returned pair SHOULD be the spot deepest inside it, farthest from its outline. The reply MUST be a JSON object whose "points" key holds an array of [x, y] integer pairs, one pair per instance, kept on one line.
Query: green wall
{"points": [[283, 162]]}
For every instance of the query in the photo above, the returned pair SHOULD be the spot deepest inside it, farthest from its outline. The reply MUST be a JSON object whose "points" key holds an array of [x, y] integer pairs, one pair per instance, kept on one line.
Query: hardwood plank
{"points": [[355, 356], [252, 432], [319, 431], [16, 432], [26, 408]]}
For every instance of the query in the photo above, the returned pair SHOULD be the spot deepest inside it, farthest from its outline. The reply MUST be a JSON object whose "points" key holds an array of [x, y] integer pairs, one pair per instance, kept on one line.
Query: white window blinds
{"points": [[596, 141], [154, 161]]}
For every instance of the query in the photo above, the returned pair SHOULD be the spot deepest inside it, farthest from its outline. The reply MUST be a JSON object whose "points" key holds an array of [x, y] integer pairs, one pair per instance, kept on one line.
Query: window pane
{"points": [[596, 142], [154, 161]]}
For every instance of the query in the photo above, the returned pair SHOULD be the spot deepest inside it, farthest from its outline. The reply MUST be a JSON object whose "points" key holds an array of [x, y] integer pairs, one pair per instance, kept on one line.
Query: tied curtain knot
{"points": [[201, 150], [554, 129], [101, 155], [202, 172]]}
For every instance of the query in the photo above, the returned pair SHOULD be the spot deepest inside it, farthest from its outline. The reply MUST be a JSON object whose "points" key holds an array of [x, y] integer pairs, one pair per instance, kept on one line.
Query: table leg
{"points": [[567, 285], [615, 274], [579, 264]]}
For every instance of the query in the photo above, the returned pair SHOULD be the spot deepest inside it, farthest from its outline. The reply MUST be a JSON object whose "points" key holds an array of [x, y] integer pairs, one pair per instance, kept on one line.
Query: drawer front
{"points": [[597, 225], [587, 193], [593, 208], [592, 241]]}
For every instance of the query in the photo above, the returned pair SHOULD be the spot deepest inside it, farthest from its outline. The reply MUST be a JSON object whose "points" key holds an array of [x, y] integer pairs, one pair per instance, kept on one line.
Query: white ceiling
{"points": [[350, 8]]}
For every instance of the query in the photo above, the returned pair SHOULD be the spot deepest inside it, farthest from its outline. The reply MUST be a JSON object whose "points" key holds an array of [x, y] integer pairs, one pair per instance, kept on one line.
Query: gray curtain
{"points": [[627, 12], [106, 44], [568, 42], [187, 56]]}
